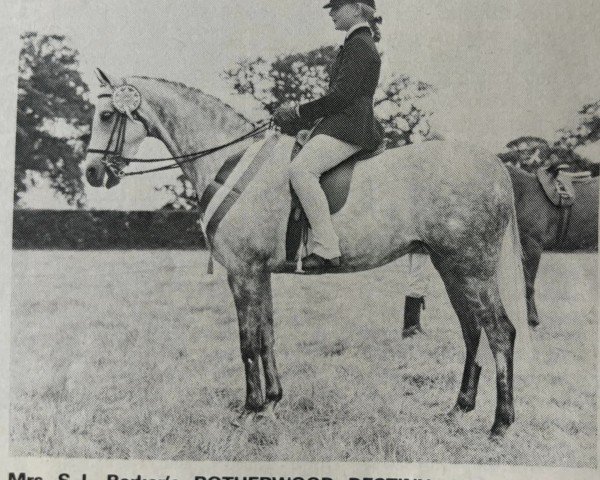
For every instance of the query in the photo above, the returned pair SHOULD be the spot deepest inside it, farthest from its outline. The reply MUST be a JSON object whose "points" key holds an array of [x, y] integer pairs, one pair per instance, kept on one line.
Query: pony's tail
{"points": [[511, 282]]}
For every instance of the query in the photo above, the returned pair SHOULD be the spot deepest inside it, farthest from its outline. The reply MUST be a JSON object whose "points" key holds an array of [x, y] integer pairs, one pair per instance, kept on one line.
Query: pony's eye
{"points": [[106, 115]]}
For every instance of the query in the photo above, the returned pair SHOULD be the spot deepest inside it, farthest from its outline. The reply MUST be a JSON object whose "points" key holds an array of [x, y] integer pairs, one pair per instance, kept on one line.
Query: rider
{"points": [[347, 121]]}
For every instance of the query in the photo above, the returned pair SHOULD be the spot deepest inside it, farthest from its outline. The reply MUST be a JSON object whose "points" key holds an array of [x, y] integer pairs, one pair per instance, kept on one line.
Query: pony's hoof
{"points": [[245, 418], [268, 412], [413, 331], [454, 412], [457, 412], [498, 432]]}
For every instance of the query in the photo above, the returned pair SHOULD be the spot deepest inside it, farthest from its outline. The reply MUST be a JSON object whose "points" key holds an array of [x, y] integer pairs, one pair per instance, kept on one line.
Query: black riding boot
{"points": [[412, 316]]}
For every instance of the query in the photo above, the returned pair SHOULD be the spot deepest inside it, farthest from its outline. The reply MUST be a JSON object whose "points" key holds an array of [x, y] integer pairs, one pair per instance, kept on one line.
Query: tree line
{"points": [[54, 112]]}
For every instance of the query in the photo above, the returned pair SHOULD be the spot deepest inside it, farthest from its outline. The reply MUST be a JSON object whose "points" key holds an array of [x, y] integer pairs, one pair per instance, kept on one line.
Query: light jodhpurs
{"points": [[418, 276], [320, 154]]}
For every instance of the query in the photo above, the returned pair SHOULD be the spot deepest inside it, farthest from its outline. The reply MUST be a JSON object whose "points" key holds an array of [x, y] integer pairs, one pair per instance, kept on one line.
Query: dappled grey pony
{"points": [[454, 199]]}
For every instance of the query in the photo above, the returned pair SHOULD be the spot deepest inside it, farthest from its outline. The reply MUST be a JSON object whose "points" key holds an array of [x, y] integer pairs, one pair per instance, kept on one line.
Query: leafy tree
{"points": [[587, 129], [184, 195], [563, 150], [53, 116], [585, 132]]}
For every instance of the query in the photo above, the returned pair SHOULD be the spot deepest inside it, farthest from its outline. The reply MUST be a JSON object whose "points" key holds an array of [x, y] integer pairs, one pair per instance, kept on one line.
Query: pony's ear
{"points": [[106, 80], [102, 77]]}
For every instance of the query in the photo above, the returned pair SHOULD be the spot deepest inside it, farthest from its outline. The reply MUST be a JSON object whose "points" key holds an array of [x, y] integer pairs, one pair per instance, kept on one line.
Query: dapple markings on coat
{"points": [[453, 198]]}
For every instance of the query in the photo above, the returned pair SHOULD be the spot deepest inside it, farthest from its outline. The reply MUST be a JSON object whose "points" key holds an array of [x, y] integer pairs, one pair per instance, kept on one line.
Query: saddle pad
{"points": [[558, 188]]}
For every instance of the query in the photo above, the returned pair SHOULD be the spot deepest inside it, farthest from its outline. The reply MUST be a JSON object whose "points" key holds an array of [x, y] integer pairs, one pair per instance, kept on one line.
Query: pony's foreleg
{"points": [[273, 389], [248, 292]]}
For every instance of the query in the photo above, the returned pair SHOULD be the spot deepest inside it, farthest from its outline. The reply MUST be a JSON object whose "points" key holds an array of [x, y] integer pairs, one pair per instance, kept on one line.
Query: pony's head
{"points": [[118, 129]]}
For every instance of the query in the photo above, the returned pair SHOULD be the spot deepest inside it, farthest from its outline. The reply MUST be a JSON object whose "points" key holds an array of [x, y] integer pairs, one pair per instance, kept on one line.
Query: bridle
{"points": [[126, 100]]}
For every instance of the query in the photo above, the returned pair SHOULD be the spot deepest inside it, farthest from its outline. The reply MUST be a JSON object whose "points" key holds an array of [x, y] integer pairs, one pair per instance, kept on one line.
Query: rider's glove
{"points": [[285, 114]]}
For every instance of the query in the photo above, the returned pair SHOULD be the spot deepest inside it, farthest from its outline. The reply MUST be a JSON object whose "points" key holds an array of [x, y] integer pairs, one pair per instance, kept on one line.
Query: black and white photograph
{"points": [[300, 239]]}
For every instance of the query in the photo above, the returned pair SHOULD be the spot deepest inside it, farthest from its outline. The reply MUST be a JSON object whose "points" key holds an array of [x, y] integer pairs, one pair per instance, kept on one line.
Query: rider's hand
{"points": [[285, 114]]}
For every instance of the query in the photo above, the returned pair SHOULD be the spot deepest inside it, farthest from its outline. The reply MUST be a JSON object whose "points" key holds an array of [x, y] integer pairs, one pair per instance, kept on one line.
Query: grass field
{"points": [[136, 355]]}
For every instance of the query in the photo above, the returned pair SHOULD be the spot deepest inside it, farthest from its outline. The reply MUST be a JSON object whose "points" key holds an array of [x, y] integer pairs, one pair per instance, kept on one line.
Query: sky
{"points": [[503, 68]]}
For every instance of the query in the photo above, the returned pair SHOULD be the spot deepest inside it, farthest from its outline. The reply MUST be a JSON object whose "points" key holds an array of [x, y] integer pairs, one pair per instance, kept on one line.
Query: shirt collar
{"points": [[356, 27]]}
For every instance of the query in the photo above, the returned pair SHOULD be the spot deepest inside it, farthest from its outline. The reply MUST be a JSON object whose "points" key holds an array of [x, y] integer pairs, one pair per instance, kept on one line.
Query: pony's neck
{"points": [[187, 120]]}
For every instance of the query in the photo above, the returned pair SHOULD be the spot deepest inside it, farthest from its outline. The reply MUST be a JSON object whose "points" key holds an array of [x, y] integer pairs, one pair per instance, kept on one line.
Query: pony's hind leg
{"points": [[477, 304], [457, 288], [501, 334], [532, 248]]}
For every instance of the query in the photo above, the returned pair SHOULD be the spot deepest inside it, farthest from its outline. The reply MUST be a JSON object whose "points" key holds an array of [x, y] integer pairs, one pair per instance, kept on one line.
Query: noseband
{"points": [[126, 100]]}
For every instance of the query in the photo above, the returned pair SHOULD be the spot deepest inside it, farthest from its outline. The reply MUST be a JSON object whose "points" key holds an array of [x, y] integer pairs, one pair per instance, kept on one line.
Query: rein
{"points": [[114, 160]]}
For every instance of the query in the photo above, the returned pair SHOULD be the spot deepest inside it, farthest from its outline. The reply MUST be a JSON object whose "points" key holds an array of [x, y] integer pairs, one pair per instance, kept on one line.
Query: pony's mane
{"points": [[195, 94]]}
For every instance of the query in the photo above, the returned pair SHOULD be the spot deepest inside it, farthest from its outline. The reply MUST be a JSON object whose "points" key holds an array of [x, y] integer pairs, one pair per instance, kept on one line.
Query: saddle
{"points": [[336, 185], [558, 187]]}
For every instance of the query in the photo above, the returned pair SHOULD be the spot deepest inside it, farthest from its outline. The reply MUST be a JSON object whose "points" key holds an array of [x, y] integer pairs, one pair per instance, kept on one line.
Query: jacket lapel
{"points": [[336, 65]]}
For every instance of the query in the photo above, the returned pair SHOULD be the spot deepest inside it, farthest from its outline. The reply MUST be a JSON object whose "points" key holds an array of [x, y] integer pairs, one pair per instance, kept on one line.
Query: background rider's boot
{"points": [[412, 316]]}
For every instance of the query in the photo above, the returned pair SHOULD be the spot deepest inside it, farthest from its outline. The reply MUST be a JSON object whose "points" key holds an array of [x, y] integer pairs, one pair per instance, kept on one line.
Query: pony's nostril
{"points": [[94, 176]]}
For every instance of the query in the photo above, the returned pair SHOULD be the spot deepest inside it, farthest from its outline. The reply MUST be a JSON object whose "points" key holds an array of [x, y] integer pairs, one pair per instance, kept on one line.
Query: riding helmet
{"points": [[337, 3]]}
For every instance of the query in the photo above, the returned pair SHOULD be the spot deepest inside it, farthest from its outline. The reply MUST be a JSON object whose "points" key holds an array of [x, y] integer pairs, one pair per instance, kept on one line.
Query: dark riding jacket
{"points": [[347, 108]]}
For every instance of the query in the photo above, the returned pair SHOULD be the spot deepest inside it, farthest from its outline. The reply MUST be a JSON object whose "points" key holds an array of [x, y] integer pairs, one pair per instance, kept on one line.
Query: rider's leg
{"points": [[319, 155], [418, 287]]}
